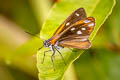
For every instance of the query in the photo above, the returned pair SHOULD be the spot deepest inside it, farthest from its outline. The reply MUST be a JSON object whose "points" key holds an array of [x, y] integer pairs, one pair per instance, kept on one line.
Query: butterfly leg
{"points": [[61, 56], [44, 55], [52, 57]]}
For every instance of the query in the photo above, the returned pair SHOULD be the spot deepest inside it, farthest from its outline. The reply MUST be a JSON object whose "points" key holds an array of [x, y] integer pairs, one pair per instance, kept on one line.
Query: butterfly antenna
{"points": [[32, 34], [41, 47], [35, 36]]}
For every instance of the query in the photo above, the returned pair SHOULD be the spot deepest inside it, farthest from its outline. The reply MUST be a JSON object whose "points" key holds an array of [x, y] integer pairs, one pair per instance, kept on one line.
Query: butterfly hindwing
{"points": [[79, 43]]}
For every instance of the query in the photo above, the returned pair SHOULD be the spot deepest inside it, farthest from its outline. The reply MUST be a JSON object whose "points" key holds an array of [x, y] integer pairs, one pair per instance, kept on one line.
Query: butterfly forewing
{"points": [[80, 28], [77, 15]]}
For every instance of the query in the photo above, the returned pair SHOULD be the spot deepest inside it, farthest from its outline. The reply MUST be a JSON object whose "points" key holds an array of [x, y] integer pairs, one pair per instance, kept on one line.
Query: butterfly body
{"points": [[73, 33]]}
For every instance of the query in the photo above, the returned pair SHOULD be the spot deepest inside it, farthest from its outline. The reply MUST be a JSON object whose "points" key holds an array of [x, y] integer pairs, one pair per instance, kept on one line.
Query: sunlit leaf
{"points": [[60, 11]]}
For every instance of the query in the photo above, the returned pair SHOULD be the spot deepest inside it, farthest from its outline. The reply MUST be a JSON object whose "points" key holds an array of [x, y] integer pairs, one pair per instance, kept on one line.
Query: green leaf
{"points": [[60, 11]]}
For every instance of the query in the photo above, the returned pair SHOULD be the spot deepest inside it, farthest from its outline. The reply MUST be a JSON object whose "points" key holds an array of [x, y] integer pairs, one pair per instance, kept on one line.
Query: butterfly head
{"points": [[47, 43]]}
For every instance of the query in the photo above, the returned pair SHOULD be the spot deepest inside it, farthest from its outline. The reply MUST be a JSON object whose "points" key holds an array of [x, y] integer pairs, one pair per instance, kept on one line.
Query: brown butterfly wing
{"points": [[76, 43], [77, 15], [77, 35], [81, 28]]}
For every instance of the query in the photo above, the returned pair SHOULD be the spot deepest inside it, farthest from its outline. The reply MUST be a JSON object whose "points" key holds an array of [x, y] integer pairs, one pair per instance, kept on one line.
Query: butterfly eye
{"points": [[47, 43]]}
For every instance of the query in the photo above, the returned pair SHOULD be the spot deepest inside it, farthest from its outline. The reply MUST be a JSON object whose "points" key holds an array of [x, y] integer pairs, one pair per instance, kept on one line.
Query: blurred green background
{"points": [[18, 49]]}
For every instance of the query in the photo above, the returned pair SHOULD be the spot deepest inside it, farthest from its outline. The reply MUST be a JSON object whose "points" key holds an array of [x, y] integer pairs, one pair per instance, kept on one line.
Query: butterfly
{"points": [[72, 33]]}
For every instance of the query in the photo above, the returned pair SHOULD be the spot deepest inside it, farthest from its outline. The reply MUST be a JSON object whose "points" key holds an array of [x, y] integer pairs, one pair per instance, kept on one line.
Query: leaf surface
{"points": [[98, 9]]}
